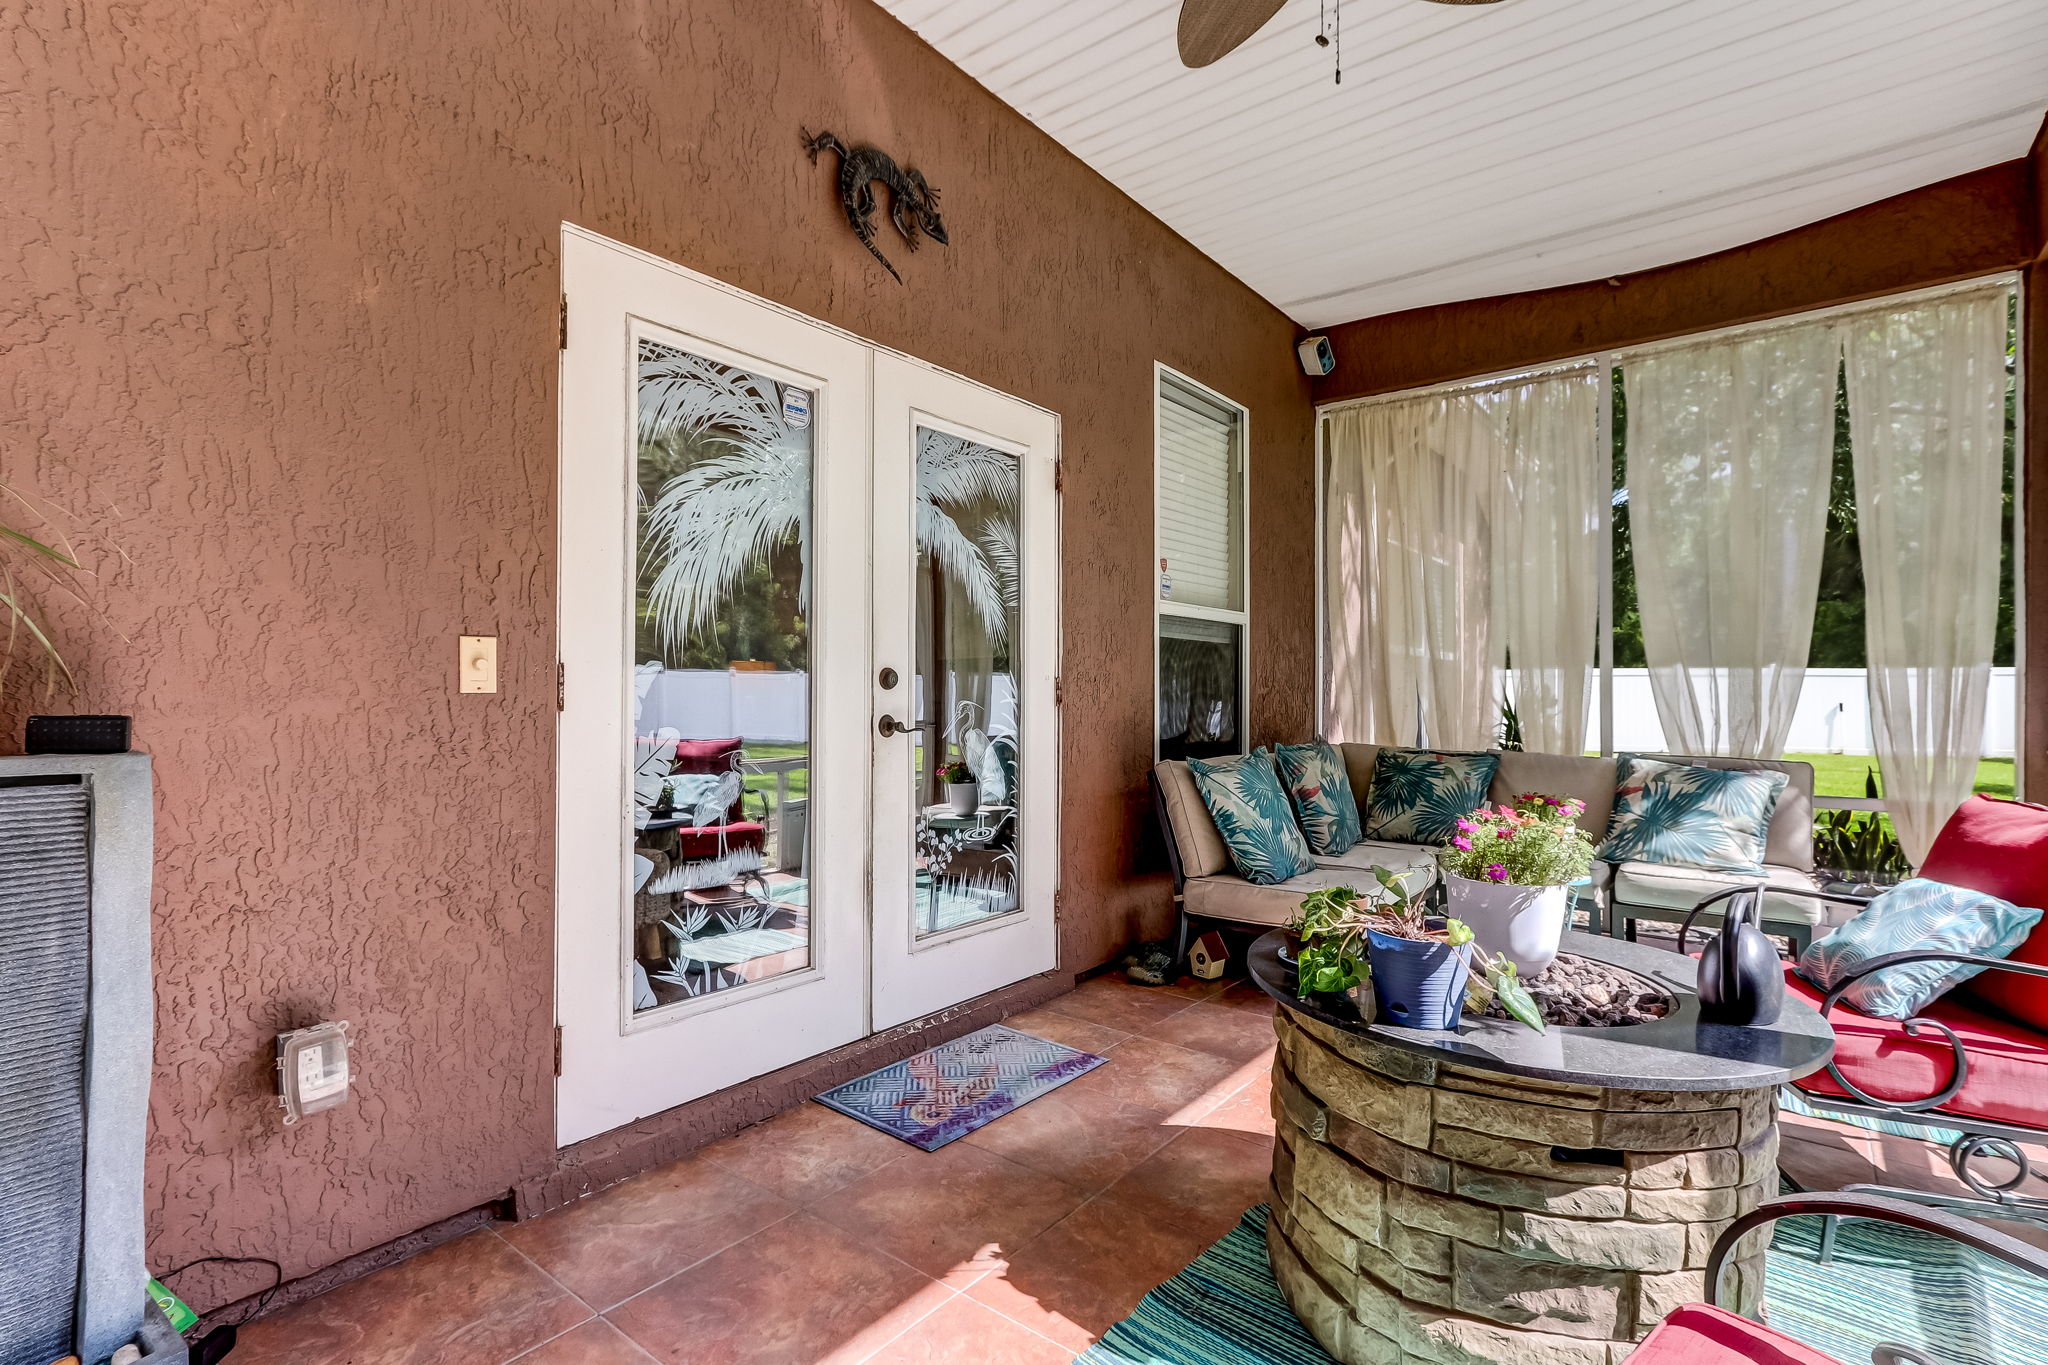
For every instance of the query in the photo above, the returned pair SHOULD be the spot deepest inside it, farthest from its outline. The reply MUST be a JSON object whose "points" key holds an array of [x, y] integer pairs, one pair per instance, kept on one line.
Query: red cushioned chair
{"points": [[1705, 1334], [1975, 1061]]}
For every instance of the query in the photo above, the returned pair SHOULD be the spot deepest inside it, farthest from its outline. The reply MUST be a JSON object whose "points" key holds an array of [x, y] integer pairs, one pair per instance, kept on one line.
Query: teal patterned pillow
{"points": [[1252, 814], [1677, 815], [1321, 792], [1916, 914], [1418, 796]]}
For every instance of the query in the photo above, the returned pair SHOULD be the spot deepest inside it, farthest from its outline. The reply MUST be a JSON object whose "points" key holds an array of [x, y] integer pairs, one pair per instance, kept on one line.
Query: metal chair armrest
{"points": [[1976, 1236]]}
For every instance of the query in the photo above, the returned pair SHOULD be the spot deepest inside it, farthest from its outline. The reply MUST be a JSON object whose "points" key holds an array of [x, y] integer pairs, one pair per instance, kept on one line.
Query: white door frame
{"points": [[617, 1066]]}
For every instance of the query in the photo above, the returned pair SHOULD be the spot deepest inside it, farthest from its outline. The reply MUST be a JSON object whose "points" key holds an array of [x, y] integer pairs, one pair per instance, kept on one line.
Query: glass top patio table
{"points": [[1681, 1051]]}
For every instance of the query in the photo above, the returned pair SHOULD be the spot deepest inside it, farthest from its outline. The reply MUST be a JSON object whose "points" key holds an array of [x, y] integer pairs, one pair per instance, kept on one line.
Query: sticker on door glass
{"points": [[796, 408]]}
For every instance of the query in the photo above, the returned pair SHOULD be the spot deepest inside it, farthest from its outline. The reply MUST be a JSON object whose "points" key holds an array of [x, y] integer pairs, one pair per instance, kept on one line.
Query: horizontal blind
{"points": [[1199, 477]]}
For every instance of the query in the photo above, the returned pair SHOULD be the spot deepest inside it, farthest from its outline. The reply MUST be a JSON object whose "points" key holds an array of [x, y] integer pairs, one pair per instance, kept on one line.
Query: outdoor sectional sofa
{"points": [[1205, 887]]}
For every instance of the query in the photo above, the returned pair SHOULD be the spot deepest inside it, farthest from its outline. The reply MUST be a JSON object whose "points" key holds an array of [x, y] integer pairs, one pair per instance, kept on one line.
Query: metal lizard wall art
{"points": [[913, 205]]}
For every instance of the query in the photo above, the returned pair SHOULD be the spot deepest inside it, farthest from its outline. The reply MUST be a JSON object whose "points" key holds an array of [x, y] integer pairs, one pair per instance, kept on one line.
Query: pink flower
{"points": [[1467, 826], [1496, 872], [1462, 844], [1504, 834]]}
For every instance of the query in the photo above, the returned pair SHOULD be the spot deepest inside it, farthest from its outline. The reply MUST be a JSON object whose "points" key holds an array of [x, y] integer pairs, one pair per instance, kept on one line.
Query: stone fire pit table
{"points": [[1493, 1196]]}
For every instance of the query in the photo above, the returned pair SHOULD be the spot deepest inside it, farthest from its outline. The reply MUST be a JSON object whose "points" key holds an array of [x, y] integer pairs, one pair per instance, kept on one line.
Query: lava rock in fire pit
{"points": [[1576, 992]]}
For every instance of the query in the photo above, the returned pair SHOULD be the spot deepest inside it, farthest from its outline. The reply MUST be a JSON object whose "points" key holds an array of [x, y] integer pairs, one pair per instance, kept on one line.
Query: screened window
{"points": [[1200, 543]]}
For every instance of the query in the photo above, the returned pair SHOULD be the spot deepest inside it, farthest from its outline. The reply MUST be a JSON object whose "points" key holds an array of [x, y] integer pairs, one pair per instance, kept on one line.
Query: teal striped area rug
{"points": [[1884, 1284]]}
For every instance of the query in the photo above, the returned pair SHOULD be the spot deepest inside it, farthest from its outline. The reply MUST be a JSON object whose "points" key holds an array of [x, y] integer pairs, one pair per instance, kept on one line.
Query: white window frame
{"points": [[1607, 361], [1162, 608]]}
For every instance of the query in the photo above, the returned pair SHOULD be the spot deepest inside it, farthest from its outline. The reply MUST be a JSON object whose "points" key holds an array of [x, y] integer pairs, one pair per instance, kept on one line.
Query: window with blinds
{"points": [[1200, 540], [1201, 477]]}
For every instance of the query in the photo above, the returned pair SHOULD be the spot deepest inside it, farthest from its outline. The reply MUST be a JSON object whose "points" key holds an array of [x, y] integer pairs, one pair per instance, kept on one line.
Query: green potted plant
{"points": [[1386, 956], [963, 792], [1508, 872]]}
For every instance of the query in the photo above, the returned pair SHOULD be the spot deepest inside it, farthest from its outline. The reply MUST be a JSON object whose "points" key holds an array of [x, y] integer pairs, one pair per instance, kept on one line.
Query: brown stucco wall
{"points": [[1971, 225], [280, 295]]}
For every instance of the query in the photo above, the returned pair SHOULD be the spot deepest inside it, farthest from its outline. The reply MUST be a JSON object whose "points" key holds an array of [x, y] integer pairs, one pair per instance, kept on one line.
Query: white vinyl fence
{"points": [[774, 708], [1833, 714]]}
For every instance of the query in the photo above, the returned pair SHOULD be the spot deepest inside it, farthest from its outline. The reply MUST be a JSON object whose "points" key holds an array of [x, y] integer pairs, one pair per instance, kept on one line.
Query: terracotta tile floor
{"points": [[813, 1238]]}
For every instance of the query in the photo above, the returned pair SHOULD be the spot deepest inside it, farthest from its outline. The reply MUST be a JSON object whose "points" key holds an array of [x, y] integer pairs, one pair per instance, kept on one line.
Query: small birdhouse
{"points": [[1208, 957]]}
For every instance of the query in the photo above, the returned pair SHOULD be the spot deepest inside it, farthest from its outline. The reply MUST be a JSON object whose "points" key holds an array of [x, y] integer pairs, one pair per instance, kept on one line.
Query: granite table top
{"points": [[1677, 1052]]}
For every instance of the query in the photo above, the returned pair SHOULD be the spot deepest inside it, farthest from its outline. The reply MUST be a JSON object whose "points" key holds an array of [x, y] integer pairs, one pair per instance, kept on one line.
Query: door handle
{"points": [[889, 725]]}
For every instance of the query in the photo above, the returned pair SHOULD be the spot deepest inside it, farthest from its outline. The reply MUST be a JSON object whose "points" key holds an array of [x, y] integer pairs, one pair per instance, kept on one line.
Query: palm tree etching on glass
{"points": [[968, 560], [725, 573], [722, 580]]}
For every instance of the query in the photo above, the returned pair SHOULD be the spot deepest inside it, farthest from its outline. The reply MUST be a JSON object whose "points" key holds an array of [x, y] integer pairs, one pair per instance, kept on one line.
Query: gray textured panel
{"points": [[45, 943]]}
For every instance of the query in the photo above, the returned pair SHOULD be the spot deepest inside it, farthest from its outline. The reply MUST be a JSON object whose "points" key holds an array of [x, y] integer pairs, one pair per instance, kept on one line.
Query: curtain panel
{"points": [[1927, 389], [1730, 447], [1461, 534]]}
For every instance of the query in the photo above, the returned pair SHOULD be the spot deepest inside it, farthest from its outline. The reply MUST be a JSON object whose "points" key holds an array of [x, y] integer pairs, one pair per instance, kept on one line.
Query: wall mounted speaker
{"points": [[1317, 359]]}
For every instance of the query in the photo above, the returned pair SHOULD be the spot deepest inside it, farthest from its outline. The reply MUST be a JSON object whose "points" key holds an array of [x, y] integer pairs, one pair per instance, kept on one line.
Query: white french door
{"points": [[966, 643], [762, 521]]}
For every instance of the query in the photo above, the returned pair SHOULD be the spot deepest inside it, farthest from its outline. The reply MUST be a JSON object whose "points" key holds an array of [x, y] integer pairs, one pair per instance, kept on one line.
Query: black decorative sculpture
{"points": [[1741, 980], [913, 205]]}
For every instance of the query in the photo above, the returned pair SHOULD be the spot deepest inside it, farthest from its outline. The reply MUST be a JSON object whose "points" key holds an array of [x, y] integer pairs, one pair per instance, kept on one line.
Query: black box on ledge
{"points": [[77, 735]]}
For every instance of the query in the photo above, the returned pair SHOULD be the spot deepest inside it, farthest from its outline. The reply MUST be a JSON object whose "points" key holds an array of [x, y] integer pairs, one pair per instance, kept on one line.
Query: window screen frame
{"points": [[1164, 377]]}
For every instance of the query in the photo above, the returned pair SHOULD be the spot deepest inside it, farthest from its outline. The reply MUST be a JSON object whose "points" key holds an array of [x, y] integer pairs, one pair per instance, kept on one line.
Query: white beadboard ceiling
{"points": [[1484, 150]]}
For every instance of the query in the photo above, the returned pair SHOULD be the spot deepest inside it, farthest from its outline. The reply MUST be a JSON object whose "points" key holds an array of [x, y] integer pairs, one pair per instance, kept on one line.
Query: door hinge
{"points": [[561, 686], [1059, 906], [1059, 476], [558, 1049], [1059, 692], [565, 322]]}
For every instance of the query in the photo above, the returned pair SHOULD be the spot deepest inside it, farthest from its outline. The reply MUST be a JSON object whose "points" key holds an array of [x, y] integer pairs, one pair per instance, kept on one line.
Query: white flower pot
{"points": [[1524, 923], [963, 797]]}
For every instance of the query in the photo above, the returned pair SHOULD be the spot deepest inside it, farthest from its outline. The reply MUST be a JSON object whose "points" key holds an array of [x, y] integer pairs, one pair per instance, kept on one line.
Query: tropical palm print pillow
{"points": [[1252, 814], [1321, 792], [1674, 814], [1916, 914], [1418, 796]]}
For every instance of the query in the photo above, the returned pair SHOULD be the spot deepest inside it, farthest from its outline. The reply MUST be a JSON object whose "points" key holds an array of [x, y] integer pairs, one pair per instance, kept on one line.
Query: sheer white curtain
{"points": [[1407, 572], [1927, 430], [1730, 445], [1547, 551]]}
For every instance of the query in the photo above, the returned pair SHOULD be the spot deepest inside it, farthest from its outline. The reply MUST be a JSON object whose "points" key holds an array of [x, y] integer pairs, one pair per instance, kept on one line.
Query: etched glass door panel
{"points": [[713, 819], [965, 756], [721, 677], [965, 733]]}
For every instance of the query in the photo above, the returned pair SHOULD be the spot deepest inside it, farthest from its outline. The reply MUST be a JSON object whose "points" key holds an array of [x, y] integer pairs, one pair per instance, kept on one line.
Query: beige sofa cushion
{"points": [[1681, 888], [1358, 761], [1591, 780], [1228, 896], [1364, 856], [1789, 841], [1199, 842]]}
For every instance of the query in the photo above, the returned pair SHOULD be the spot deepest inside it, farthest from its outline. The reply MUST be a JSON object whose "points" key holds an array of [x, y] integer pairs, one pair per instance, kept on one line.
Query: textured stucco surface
{"points": [[277, 320]]}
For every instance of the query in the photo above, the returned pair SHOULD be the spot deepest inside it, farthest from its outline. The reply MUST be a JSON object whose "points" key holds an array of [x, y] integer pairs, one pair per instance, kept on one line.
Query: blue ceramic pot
{"points": [[1418, 984]]}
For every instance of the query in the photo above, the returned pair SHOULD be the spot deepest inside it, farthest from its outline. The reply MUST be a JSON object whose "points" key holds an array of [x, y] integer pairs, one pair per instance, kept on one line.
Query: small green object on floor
{"points": [[1884, 1284], [173, 1307]]}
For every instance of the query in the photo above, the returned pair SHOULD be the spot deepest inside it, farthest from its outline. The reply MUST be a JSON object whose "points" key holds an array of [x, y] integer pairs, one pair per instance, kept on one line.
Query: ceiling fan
{"points": [[1210, 29]]}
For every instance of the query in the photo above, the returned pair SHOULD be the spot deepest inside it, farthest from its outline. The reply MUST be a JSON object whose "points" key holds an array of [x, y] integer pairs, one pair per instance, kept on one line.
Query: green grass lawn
{"points": [[799, 778], [1843, 774]]}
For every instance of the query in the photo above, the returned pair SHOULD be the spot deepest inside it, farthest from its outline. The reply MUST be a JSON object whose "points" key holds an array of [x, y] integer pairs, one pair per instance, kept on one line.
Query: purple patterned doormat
{"points": [[950, 1090]]}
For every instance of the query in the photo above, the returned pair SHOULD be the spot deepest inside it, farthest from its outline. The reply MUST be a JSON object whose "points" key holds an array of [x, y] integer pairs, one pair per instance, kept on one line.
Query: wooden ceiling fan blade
{"points": [[1211, 29]]}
